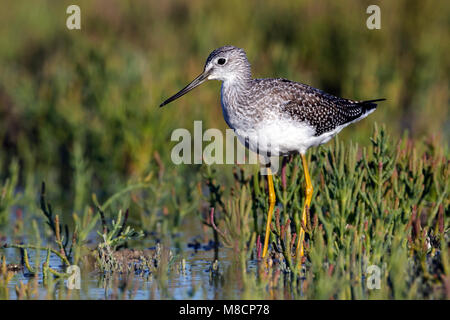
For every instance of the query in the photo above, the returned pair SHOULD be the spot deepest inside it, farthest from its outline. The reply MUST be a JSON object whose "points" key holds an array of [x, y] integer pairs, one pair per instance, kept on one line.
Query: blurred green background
{"points": [[93, 94]]}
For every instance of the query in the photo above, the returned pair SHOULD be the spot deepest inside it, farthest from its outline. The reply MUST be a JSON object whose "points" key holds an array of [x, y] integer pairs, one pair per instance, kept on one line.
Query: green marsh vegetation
{"points": [[78, 111]]}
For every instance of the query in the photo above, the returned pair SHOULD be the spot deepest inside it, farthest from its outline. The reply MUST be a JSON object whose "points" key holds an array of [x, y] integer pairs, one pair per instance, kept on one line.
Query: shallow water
{"points": [[194, 283]]}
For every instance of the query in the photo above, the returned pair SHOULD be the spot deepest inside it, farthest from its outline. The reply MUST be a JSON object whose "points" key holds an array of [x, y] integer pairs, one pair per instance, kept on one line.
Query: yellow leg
{"points": [[309, 193], [270, 213]]}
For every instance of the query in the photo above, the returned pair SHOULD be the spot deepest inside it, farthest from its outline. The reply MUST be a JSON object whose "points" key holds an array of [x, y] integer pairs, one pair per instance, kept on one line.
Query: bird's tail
{"points": [[370, 104]]}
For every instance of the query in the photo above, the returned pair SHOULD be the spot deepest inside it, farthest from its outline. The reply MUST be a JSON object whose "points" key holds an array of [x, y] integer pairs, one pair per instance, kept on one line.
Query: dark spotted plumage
{"points": [[323, 111]]}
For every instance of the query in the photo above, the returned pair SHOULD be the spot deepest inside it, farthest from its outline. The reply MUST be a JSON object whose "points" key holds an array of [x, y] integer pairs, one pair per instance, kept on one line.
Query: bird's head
{"points": [[228, 64]]}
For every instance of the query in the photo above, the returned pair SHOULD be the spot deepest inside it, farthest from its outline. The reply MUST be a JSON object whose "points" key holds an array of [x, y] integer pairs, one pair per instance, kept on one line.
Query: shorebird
{"points": [[276, 117]]}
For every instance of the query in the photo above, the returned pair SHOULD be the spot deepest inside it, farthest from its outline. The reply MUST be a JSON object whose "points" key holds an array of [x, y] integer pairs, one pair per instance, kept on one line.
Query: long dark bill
{"points": [[196, 82]]}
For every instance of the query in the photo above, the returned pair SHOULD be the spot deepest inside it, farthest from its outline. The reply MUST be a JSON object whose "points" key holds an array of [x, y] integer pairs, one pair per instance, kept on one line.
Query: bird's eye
{"points": [[221, 61]]}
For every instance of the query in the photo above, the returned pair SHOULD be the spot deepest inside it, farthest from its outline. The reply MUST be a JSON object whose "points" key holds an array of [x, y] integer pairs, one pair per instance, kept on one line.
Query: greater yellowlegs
{"points": [[276, 117]]}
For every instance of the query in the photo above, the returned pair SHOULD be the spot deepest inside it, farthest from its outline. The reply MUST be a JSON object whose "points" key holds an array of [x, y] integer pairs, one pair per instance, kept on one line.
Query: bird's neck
{"points": [[238, 78], [237, 87], [234, 98], [234, 93]]}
